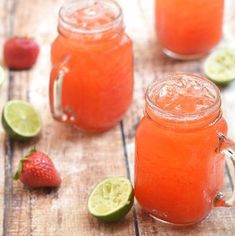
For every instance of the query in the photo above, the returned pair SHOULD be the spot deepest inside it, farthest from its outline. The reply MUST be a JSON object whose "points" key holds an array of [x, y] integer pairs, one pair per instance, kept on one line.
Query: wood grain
{"points": [[85, 159], [150, 64], [82, 159], [5, 9]]}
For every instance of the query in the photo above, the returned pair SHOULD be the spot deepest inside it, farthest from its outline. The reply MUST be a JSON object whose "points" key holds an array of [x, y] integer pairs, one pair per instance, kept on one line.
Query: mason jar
{"points": [[91, 80]]}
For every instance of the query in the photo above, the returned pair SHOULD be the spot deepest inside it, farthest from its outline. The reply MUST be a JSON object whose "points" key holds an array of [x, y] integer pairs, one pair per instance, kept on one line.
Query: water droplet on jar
{"points": [[72, 118], [64, 117]]}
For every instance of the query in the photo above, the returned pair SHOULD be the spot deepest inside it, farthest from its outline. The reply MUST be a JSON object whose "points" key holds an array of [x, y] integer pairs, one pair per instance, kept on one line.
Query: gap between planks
{"points": [[134, 215]]}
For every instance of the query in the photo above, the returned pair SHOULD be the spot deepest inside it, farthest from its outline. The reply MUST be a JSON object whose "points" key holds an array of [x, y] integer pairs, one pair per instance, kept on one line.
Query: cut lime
{"points": [[220, 66], [2, 77], [20, 120], [111, 199]]}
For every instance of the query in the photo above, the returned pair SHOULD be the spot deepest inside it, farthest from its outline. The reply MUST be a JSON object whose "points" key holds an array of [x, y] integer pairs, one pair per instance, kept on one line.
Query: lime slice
{"points": [[111, 199], [2, 77], [20, 120], [220, 66]]}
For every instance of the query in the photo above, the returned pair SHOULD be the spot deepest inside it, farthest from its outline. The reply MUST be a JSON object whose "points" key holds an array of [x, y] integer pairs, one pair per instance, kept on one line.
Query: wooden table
{"points": [[84, 159]]}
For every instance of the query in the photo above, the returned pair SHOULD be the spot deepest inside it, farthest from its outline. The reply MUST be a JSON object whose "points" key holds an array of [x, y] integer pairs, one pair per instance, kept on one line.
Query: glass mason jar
{"points": [[180, 147], [91, 80], [188, 29]]}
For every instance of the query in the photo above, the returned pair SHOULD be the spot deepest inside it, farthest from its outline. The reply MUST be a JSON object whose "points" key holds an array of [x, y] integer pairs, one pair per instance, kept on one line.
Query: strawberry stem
{"points": [[17, 174], [20, 165], [33, 149]]}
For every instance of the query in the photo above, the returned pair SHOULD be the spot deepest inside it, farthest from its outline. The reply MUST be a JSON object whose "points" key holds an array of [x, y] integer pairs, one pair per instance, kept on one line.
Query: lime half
{"points": [[220, 66], [111, 199], [2, 76], [20, 120]]}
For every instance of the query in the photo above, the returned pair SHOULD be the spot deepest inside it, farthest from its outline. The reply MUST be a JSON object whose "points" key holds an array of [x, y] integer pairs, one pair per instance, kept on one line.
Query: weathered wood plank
{"points": [[219, 222], [16, 208], [3, 95], [82, 159], [150, 64], [8, 9]]}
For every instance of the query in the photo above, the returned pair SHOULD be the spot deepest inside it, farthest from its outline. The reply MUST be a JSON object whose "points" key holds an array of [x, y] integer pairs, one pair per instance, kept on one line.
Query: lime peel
{"points": [[220, 66], [20, 120], [111, 199]]}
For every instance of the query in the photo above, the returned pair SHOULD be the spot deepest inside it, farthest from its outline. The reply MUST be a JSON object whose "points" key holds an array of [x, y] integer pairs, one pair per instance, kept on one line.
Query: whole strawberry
{"points": [[37, 170], [20, 53]]}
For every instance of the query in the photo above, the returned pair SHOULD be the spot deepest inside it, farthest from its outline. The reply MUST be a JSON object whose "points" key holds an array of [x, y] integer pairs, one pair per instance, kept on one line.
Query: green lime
{"points": [[2, 76], [20, 120], [111, 199], [220, 66]]}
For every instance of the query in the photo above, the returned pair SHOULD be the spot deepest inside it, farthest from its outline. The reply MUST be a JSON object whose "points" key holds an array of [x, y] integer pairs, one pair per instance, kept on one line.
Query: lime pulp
{"points": [[20, 120], [111, 199], [220, 66]]}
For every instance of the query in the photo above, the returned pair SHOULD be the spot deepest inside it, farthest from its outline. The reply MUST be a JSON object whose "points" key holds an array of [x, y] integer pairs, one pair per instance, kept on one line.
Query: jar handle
{"points": [[227, 148], [56, 85]]}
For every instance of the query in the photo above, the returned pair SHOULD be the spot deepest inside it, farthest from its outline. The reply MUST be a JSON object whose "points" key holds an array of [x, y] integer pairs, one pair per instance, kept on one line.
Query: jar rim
{"points": [[64, 22], [182, 116]]}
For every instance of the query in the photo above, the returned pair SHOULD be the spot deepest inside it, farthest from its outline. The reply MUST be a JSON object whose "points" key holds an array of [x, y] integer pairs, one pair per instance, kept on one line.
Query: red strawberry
{"points": [[20, 53], [37, 170]]}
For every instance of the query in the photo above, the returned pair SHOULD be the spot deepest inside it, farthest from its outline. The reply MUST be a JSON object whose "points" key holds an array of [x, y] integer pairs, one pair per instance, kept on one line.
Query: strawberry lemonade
{"points": [[92, 76], [188, 28], [178, 167]]}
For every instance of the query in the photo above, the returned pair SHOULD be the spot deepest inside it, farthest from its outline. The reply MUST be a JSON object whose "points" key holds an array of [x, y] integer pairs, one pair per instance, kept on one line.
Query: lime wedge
{"points": [[111, 199], [20, 120], [220, 66], [2, 77]]}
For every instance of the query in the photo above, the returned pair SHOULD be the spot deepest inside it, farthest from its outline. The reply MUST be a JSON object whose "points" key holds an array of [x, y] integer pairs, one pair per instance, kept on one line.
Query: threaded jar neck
{"points": [[91, 18], [183, 98]]}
